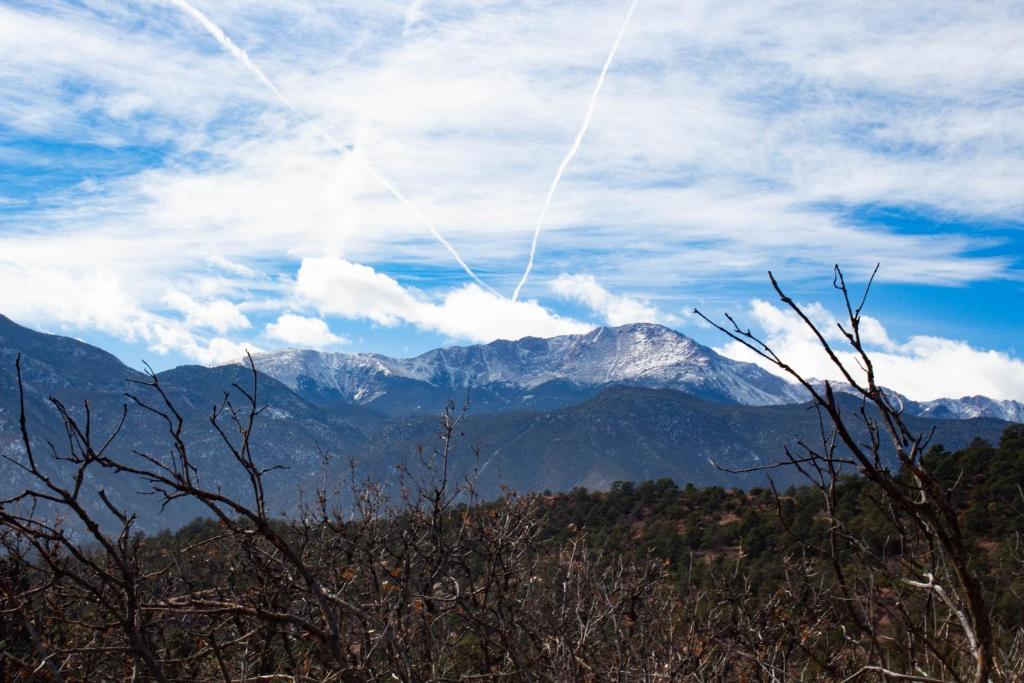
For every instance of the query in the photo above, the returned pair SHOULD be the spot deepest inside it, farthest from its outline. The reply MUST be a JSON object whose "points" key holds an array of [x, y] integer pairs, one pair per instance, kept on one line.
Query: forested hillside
{"points": [[709, 533], [645, 581]]}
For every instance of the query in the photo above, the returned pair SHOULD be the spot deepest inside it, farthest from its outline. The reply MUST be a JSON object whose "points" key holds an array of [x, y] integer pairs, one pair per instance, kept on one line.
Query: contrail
{"points": [[230, 45], [433, 231], [572, 150], [242, 56]]}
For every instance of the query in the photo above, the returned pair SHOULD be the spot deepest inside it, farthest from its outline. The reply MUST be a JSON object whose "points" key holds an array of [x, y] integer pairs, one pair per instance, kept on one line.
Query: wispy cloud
{"points": [[228, 44], [238, 53], [732, 138]]}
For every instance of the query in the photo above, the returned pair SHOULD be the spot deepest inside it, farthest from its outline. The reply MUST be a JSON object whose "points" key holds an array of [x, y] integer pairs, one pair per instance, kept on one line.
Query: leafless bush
{"points": [[418, 583], [914, 607]]}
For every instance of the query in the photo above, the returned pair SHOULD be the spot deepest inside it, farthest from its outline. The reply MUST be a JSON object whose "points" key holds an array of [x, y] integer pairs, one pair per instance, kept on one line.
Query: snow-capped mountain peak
{"points": [[641, 354]]}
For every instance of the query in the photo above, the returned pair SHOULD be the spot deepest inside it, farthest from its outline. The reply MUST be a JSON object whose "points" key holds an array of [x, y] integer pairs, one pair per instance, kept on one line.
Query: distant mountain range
{"points": [[536, 373], [634, 402]]}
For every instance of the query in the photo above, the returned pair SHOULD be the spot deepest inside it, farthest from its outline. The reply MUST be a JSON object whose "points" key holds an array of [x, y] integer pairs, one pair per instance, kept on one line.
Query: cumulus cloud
{"points": [[219, 350], [922, 367], [477, 315], [612, 309], [300, 331], [219, 315], [167, 336], [99, 300], [351, 290]]}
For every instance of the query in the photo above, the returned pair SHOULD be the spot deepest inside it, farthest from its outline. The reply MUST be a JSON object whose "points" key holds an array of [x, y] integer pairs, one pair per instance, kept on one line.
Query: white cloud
{"points": [[746, 142], [220, 350], [169, 336], [80, 298], [219, 315], [352, 290], [231, 266], [922, 367], [413, 15], [303, 332], [478, 315], [339, 287], [612, 309], [84, 300]]}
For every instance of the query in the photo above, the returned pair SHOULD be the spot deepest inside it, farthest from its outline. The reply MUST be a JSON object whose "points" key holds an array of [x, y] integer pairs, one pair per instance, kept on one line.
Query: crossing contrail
{"points": [[573, 149], [241, 55]]}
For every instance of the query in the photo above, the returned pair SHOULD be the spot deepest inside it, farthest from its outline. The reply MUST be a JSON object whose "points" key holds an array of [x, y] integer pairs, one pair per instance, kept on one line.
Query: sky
{"points": [[182, 181]]}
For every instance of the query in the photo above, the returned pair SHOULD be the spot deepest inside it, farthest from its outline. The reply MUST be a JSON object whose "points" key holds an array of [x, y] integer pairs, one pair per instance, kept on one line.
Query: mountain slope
{"points": [[291, 432], [635, 434], [968, 407], [640, 354], [964, 408]]}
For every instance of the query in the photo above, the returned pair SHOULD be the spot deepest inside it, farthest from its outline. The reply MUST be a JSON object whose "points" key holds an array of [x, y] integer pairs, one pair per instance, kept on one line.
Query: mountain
{"points": [[969, 407], [964, 408], [630, 433], [644, 355], [546, 374], [629, 403], [291, 432]]}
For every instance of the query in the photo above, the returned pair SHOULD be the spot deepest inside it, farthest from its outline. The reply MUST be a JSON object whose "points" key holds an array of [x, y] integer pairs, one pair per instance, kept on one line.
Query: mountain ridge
{"points": [[638, 354], [642, 354]]}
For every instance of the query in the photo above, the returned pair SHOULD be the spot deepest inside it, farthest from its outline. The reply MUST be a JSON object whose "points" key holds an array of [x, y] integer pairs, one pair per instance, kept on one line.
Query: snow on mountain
{"points": [[972, 406], [963, 408], [353, 377], [639, 354]]}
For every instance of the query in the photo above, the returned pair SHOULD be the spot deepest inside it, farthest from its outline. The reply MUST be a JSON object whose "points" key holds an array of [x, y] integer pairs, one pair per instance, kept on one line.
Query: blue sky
{"points": [[180, 180]]}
